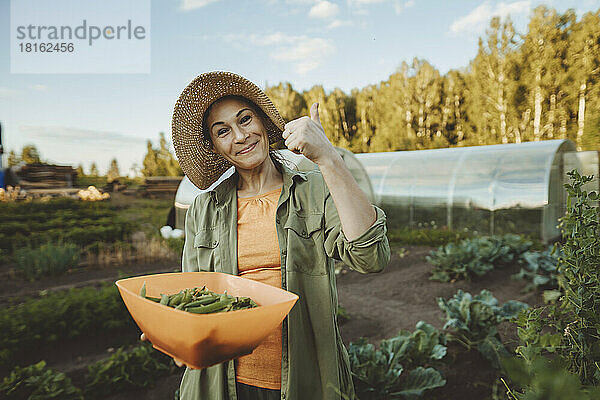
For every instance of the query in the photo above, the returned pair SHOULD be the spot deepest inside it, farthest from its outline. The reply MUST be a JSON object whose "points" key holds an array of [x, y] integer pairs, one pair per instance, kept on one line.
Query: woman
{"points": [[276, 225]]}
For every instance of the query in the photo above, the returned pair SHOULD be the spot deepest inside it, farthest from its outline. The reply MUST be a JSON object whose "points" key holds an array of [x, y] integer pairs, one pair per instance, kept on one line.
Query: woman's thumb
{"points": [[314, 113]]}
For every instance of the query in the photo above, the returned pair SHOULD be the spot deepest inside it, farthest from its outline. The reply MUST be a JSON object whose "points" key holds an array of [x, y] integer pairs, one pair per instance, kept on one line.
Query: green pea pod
{"points": [[143, 291], [187, 297], [154, 299], [202, 302], [219, 305], [175, 300], [180, 306], [164, 299]]}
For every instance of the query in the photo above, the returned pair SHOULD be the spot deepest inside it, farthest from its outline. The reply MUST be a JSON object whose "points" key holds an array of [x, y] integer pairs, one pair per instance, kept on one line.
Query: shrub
{"points": [[568, 330], [36, 382], [48, 259], [545, 379]]}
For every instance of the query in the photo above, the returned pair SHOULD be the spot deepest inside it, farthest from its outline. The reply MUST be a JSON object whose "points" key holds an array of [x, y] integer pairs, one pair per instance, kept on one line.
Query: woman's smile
{"points": [[248, 149]]}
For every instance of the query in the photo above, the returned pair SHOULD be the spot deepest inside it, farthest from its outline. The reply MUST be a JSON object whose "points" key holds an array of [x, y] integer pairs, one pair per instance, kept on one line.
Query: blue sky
{"points": [[80, 118]]}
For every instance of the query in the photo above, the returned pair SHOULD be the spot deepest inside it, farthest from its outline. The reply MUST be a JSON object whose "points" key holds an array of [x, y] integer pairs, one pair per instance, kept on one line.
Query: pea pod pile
{"points": [[201, 301]]}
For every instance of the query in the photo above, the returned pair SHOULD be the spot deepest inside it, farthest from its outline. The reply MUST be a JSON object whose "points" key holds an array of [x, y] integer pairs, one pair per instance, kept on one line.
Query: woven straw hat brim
{"points": [[198, 162]]}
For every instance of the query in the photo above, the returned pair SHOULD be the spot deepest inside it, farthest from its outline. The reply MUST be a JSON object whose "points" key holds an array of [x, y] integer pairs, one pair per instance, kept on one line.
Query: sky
{"points": [[80, 118]]}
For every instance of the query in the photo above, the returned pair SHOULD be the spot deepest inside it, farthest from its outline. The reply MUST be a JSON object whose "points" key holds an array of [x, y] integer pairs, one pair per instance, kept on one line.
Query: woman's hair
{"points": [[277, 159]]}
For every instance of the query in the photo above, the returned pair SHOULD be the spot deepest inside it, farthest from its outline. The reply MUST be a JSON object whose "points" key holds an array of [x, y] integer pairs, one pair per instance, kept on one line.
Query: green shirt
{"points": [[314, 358]]}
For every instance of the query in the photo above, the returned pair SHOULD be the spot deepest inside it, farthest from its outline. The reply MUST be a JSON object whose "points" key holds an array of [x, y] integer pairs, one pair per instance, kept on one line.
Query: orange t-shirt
{"points": [[259, 260]]}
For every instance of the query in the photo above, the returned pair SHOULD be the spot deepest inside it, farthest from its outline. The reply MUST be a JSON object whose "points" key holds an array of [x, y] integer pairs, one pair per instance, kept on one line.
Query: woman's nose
{"points": [[239, 134]]}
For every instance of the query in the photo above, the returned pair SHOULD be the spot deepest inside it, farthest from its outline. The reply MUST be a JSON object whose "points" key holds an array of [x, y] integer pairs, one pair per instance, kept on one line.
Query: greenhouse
{"points": [[495, 189]]}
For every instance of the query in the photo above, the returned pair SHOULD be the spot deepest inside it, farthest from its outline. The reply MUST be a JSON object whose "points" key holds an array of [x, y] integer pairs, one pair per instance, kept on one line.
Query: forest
{"points": [[538, 85]]}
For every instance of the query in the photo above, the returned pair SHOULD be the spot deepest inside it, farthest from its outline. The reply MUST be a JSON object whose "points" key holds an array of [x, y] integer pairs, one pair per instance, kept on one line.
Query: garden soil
{"points": [[379, 304]]}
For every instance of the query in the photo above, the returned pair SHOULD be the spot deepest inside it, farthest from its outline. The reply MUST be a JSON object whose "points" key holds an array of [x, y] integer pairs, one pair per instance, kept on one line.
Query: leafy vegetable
{"points": [[476, 256], [36, 382], [138, 368], [540, 268], [378, 373], [474, 320]]}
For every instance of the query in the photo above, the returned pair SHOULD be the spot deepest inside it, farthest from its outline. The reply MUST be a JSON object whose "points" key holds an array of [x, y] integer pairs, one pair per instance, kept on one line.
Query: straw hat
{"points": [[201, 165]]}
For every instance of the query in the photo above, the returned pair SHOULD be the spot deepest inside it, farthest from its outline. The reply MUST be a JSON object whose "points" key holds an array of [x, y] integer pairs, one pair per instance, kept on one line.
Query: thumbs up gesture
{"points": [[306, 136]]}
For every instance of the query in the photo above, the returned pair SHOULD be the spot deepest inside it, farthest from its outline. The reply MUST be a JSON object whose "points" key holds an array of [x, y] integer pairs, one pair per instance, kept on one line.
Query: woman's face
{"points": [[238, 133]]}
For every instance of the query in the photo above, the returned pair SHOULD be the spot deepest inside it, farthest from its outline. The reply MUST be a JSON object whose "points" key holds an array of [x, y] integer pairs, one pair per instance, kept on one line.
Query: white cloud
{"points": [[323, 9], [307, 54], [303, 52], [339, 23], [81, 136], [400, 6], [354, 3], [39, 87], [481, 15], [188, 5], [305, 2], [6, 93]]}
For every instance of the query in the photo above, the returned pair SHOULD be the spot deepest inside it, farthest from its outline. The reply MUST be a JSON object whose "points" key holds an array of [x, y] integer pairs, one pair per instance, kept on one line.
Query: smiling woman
{"points": [[269, 223], [236, 130]]}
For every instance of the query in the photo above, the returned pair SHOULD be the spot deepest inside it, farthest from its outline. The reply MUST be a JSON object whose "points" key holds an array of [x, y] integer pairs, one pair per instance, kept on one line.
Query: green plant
{"points": [[82, 223], [426, 237], [536, 332], [48, 259], [342, 314], [137, 368], [579, 279], [543, 379], [176, 245], [474, 320], [36, 382], [380, 374], [540, 268], [60, 316], [476, 256]]}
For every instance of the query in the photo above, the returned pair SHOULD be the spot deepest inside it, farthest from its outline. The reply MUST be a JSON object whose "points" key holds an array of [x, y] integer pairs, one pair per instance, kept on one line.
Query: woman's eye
{"points": [[246, 118], [222, 132]]}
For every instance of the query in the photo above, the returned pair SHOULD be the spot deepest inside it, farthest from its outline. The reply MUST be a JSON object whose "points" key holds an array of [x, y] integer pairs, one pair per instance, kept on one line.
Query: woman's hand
{"points": [[306, 136], [176, 361]]}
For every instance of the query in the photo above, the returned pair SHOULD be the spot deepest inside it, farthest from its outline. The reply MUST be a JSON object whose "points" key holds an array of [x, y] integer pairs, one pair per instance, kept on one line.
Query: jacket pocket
{"points": [[305, 250], [206, 242], [206, 238]]}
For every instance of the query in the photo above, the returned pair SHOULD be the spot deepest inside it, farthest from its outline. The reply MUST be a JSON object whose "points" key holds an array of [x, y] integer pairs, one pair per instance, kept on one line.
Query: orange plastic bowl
{"points": [[202, 340]]}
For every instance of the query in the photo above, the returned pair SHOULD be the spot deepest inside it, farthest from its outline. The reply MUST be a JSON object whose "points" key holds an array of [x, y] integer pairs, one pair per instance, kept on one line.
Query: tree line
{"points": [[539, 85], [158, 161]]}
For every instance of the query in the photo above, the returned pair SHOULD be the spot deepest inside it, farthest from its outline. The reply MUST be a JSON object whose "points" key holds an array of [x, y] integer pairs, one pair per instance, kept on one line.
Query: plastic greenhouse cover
{"points": [[487, 177]]}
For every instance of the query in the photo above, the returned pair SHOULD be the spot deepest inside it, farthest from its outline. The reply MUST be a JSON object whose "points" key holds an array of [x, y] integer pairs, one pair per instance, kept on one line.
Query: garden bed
{"points": [[379, 305]]}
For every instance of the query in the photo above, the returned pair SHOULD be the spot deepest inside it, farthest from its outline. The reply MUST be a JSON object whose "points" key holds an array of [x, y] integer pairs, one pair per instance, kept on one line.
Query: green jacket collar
{"points": [[223, 192]]}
